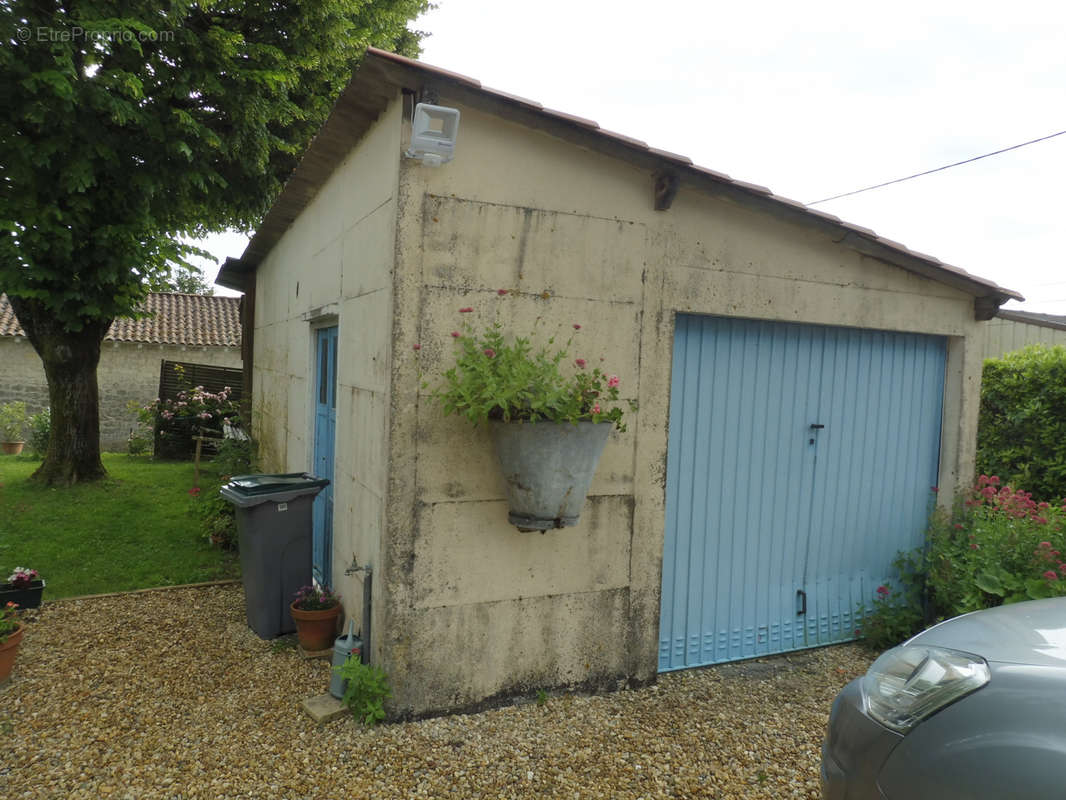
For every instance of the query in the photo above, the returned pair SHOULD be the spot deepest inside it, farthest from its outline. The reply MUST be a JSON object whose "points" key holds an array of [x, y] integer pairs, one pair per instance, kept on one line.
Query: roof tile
{"points": [[180, 319]]}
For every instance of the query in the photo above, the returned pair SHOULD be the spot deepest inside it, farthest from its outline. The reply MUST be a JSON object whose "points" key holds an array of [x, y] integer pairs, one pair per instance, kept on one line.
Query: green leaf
{"points": [[990, 583]]}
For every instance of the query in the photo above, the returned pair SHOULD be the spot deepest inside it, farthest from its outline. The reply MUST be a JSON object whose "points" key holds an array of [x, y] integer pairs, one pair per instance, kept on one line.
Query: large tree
{"points": [[128, 128]]}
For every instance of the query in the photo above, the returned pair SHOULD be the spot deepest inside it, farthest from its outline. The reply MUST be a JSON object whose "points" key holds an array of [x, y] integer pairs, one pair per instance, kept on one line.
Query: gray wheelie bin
{"points": [[274, 533]]}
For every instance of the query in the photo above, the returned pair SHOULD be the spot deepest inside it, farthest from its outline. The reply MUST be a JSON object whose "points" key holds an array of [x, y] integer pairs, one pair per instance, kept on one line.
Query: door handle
{"points": [[816, 426], [802, 597]]}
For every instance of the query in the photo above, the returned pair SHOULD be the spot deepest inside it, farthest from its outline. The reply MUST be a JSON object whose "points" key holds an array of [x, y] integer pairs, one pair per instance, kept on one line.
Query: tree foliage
{"points": [[186, 281], [129, 128], [1021, 436]]}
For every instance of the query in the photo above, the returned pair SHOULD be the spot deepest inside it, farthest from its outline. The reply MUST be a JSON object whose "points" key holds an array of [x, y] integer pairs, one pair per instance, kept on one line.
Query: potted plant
{"points": [[550, 417], [315, 612], [12, 425], [24, 587], [11, 631]]}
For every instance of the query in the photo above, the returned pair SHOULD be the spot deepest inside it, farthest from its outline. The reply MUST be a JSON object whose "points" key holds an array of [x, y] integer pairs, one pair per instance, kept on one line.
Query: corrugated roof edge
{"points": [[1033, 318], [980, 287]]}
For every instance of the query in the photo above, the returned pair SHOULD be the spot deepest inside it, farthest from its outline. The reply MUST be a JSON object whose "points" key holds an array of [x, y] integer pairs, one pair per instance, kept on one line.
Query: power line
{"points": [[938, 169]]}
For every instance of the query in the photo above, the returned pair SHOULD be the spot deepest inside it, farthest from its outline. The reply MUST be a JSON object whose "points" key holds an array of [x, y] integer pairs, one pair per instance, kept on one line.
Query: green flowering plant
{"points": [[366, 690], [316, 598], [8, 621], [12, 421], [498, 376], [21, 578]]}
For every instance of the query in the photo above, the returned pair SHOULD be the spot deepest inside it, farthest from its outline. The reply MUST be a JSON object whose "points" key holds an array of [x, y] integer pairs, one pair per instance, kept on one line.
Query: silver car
{"points": [[973, 708]]}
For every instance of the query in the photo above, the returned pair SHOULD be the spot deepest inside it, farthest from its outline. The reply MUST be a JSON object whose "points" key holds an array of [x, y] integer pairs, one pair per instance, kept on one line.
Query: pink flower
{"points": [[596, 409], [612, 381], [958, 526], [195, 491], [455, 334], [883, 591], [501, 292], [1045, 545], [577, 327], [466, 310], [417, 347], [490, 352], [994, 479], [580, 362], [1051, 575], [975, 546]]}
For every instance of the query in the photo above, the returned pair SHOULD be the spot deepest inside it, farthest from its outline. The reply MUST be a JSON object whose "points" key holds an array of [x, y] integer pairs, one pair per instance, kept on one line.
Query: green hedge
{"points": [[1021, 436]]}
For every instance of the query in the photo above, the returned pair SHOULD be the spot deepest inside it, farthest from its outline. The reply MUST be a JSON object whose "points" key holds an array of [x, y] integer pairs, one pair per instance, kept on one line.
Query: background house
{"points": [[1012, 330], [803, 384], [181, 327]]}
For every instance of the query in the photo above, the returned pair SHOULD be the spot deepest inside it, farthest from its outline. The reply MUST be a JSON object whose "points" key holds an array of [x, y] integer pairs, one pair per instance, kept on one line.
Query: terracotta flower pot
{"points": [[8, 650], [11, 448], [316, 630]]}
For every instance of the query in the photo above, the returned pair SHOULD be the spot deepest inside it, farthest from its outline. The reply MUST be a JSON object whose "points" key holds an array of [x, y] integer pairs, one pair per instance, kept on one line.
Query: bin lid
{"points": [[251, 485]]}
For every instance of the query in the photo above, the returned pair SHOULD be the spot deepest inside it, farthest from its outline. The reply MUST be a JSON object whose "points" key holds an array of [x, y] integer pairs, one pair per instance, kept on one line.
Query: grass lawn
{"points": [[135, 530]]}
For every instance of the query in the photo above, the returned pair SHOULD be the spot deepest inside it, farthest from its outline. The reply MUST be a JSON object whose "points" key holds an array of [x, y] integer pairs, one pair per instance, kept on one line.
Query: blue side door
{"points": [[800, 459], [325, 428]]}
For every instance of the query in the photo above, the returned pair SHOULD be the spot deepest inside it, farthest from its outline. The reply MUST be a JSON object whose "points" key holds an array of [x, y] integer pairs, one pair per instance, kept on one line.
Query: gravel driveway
{"points": [[168, 694]]}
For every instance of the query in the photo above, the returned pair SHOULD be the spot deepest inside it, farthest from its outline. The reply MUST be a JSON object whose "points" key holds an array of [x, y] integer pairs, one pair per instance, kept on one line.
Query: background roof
{"points": [[181, 319]]}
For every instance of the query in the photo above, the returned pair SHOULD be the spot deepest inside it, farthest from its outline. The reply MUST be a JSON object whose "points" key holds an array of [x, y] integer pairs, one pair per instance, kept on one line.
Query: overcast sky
{"points": [[814, 99]]}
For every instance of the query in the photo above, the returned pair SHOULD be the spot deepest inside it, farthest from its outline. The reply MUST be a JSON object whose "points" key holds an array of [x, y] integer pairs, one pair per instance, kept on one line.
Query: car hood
{"points": [[1033, 632]]}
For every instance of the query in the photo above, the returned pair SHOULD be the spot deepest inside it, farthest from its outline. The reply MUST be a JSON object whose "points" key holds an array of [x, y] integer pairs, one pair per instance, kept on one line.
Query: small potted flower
{"points": [[549, 415], [12, 427], [11, 631], [24, 587], [315, 611]]}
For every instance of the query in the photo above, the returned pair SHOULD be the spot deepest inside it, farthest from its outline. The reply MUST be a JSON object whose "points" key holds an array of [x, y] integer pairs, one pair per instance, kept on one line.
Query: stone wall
{"points": [[128, 372]]}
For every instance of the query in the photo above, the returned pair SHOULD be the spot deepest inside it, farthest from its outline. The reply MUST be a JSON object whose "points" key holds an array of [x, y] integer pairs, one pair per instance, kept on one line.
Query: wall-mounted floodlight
{"points": [[433, 132]]}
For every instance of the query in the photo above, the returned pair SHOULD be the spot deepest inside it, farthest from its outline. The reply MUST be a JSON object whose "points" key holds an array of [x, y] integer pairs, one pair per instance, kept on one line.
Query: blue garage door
{"points": [[801, 459]]}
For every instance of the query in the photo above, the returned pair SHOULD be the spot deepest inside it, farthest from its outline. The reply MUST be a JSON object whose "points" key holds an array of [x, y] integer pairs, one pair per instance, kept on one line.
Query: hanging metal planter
{"points": [[547, 468]]}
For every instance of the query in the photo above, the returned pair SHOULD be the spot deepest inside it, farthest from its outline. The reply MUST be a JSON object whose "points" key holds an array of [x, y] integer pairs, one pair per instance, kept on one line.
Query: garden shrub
{"points": [[40, 431], [366, 690], [138, 443], [997, 546], [1021, 435], [898, 613], [217, 515], [193, 411]]}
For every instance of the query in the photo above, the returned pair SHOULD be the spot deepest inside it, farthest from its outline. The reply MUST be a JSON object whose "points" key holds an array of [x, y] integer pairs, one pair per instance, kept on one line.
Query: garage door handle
{"points": [[802, 597], [816, 426]]}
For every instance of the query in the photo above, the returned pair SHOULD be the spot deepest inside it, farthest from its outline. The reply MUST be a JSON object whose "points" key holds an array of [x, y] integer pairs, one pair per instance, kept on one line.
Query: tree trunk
{"points": [[70, 360]]}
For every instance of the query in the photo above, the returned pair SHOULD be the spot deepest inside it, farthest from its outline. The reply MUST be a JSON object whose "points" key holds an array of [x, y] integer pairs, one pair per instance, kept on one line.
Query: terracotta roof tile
{"points": [[670, 156], [623, 138], [582, 121], [181, 319], [753, 187]]}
